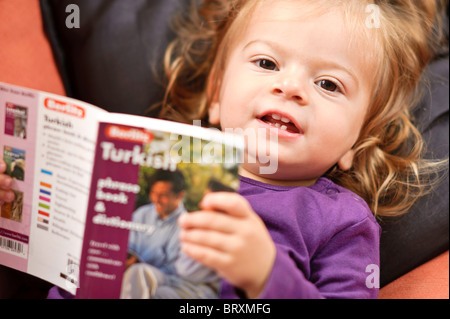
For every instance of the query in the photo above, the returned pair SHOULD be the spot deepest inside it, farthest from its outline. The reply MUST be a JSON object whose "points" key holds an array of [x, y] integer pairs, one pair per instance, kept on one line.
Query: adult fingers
{"points": [[6, 196], [2, 166], [5, 181]]}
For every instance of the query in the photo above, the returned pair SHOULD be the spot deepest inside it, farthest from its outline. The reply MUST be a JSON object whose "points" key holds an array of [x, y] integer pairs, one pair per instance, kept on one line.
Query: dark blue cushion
{"points": [[109, 61], [422, 233]]}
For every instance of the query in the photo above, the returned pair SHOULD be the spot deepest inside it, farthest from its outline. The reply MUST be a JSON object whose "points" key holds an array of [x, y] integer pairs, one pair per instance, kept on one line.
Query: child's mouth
{"points": [[280, 122]]}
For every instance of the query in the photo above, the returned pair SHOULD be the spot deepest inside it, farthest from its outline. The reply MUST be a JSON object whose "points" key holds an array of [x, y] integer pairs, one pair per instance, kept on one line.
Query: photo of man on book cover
{"points": [[155, 265], [156, 268]]}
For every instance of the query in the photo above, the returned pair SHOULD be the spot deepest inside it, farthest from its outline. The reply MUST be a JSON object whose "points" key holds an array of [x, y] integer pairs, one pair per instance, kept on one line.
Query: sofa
{"points": [[104, 62]]}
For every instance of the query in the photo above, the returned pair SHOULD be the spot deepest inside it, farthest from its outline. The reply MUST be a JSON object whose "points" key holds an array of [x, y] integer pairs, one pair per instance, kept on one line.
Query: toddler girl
{"points": [[333, 81], [326, 87]]}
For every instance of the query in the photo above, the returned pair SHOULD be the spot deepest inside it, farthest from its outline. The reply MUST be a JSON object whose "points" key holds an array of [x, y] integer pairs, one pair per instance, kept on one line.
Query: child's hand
{"points": [[6, 195], [230, 238]]}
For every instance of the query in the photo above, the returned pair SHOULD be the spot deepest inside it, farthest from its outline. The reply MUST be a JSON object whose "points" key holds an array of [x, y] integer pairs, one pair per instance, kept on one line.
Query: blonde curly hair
{"points": [[388, 170]]}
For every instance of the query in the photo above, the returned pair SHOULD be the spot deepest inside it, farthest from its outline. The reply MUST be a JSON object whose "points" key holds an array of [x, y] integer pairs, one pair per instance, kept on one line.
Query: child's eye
{"points": [[266, 64], [328, 85]]}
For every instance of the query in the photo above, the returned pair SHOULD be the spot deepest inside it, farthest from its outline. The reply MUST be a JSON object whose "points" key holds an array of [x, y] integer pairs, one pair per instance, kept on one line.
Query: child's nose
{"points": [[291, 87]]}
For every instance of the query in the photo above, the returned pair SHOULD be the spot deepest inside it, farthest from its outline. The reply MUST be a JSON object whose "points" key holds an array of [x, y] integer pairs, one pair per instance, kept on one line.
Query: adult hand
{"points": [[6, 194]]}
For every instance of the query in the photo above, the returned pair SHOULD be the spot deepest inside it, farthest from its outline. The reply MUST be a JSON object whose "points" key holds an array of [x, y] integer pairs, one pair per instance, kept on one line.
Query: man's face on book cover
{"points": [[164, 199]]}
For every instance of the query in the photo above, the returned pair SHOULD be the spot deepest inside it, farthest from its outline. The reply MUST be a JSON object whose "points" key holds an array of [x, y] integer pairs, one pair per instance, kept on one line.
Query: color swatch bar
{"points": [[45, 199], [44, 202], [42, 227], [43, 191], [42, 220], [46, 185], [46, 172], [43, 213], [42, 205]]}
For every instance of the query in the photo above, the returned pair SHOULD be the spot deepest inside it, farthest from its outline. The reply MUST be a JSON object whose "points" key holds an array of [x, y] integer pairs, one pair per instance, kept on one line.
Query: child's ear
{"points": [[214, 113], [346, 161]]}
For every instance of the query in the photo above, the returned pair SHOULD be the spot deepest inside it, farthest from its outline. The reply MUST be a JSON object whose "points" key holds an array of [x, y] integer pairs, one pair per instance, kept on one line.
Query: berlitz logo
{"points": [[128, 134], [63, 107]]}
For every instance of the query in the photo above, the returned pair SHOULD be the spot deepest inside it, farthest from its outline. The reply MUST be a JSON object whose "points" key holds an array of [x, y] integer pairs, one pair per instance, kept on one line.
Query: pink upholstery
{"points": [[429, 281], [25, 55]]}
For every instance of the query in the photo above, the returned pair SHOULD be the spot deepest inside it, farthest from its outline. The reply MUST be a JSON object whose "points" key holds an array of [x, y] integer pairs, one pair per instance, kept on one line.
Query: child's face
{"points": [[296, 68]]}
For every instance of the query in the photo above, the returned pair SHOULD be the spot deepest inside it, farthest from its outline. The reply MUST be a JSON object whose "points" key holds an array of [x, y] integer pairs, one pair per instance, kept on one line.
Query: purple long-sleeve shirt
{"points": [[327, 241]]}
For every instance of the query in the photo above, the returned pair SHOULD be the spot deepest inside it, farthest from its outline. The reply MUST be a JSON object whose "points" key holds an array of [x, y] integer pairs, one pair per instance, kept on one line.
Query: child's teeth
{"points": [[283, 127], [285, 120], [277, 125], [276, 117]]}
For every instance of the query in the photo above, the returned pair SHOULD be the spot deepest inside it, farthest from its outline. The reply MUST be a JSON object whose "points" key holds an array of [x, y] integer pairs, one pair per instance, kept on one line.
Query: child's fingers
{"points": [[204, 237], [206, 220], [230, 203], [207, 256]]}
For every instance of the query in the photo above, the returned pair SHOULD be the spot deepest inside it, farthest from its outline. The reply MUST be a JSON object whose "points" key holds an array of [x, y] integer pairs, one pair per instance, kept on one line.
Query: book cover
{"points": [[98, 196], [143, 180]]}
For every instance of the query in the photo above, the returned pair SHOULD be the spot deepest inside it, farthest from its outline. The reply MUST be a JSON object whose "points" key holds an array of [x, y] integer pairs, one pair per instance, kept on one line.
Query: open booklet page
{"points": [[48, 143], [93, 212]]}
